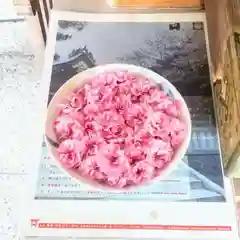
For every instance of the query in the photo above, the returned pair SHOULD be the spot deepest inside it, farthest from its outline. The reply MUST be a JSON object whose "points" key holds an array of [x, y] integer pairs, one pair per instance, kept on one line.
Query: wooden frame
{"points": [[224, 31], [158, 3], [41, 8]]}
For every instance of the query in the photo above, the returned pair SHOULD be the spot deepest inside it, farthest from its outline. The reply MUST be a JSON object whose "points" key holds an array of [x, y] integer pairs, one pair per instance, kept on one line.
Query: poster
{"points": [[197, 189]]}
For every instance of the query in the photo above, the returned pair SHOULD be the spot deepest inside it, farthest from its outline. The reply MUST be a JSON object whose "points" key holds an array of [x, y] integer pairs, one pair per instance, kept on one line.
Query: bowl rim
{"points": [[181, 151]]}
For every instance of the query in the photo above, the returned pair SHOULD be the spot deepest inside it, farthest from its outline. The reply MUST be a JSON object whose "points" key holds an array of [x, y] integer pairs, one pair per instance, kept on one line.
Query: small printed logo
{"points": [[34, 222], [174, 26], [198, 26]]}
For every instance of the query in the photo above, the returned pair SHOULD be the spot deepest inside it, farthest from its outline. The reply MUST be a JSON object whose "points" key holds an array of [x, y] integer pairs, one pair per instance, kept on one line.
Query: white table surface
{"points": [[19, 85]]}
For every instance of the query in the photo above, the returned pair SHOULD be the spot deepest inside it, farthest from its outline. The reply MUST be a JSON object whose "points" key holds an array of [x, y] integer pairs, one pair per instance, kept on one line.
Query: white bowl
{"points": [[79, 80]]}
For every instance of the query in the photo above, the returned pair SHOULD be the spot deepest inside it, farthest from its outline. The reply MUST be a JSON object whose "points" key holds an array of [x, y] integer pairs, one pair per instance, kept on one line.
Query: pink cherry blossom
{"points": [[119, 130]]}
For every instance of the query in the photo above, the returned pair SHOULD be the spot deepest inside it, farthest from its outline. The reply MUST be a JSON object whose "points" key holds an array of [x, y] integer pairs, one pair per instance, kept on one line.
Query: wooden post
{"points": [[224, 38]]}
